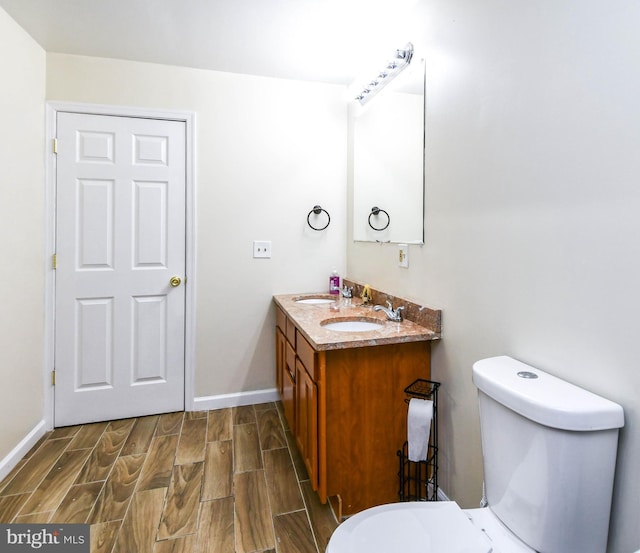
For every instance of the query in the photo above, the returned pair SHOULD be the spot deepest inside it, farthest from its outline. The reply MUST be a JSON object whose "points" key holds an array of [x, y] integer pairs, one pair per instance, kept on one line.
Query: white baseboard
{"points": [[11, 460], [239, 399], [440, 495]]}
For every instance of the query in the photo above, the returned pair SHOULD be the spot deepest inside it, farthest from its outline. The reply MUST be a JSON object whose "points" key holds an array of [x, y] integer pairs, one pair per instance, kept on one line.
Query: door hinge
{"points": [[53, 377], [55, 145], [54, 261]]}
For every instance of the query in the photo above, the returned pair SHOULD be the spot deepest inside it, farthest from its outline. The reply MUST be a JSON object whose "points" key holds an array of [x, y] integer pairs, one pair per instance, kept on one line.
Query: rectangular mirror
{"points": [[388, 161]]}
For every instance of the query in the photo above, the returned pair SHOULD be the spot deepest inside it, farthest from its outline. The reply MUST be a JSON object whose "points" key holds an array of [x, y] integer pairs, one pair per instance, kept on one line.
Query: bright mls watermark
{"points": [[44, 538]]}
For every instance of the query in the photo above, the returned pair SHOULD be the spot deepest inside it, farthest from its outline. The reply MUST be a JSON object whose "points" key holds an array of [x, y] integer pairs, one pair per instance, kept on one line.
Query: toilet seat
{"points": [[416, 527]]}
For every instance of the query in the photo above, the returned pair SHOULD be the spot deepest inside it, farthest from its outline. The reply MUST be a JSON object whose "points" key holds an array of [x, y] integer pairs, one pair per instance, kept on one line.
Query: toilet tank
{"points": [[549, 451]]}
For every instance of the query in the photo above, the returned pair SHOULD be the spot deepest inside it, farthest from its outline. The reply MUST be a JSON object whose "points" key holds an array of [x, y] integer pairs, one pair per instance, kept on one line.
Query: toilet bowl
{"points": [[423, 527], [539, 433]]}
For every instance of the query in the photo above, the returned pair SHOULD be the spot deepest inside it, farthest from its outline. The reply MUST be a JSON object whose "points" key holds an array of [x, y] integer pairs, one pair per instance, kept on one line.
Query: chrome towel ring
{"points": [[376, 211], [317, 210]]}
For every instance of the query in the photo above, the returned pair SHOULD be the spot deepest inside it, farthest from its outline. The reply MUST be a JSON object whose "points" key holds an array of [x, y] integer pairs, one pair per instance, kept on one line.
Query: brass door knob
{"points": [[175, 281]]}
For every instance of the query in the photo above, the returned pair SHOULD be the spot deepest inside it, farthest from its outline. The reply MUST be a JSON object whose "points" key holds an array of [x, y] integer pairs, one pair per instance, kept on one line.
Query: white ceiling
{"points": [[317, 40]]}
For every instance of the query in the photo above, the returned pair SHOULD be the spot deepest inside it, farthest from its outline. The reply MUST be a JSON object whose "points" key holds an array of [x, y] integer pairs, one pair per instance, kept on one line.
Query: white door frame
{"points": [[52, 108]]}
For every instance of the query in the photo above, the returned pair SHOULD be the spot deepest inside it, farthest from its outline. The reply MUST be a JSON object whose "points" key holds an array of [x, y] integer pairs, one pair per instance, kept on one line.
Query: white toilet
{"points": [[549, 451]]}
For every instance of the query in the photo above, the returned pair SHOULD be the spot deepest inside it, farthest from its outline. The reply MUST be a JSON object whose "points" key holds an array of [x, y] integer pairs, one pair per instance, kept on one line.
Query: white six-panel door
{"points": [[120, 277]]}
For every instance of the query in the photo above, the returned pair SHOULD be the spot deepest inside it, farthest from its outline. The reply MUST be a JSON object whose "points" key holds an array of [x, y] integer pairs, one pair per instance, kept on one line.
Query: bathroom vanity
{"points": [[343, 393]]}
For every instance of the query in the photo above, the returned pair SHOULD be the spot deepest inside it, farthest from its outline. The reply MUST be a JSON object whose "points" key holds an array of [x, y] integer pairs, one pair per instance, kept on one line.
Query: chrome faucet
{"points": [[391, 313]]}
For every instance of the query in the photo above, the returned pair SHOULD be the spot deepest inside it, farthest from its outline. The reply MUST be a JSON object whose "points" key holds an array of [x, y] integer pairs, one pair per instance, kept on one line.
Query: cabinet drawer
{"points": [[281, 320], [291, 333], [306, 354]]}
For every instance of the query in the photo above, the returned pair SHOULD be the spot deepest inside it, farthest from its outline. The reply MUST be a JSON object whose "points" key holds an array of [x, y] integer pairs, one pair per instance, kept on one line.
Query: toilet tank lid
{"points": [[544, 398]]}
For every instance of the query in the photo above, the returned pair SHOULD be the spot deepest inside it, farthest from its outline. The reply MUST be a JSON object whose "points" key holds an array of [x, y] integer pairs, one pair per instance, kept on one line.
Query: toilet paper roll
{"points": [[418, 428]]}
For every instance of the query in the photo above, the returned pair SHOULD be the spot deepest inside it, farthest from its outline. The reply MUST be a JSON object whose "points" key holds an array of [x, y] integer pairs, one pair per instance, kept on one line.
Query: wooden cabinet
{"points": [[347, 412]]}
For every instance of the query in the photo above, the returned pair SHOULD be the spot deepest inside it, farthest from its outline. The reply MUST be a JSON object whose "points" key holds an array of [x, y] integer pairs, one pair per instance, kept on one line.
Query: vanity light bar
{"points": [[401, 59]]}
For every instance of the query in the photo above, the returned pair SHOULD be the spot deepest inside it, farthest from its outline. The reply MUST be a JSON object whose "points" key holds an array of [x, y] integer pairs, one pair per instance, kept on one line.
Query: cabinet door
{"points": [[288, 386], [280, 360], [307, 421]]}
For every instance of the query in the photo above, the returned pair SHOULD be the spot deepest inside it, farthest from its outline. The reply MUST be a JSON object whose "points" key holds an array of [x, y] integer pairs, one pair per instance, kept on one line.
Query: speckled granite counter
{"points": [[308, 318]]}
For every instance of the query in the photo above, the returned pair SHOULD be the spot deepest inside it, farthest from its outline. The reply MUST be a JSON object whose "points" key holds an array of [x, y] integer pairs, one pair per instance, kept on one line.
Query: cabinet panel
{"points": [[280, 358], [366, 420], [307, 421], [289, 388]]}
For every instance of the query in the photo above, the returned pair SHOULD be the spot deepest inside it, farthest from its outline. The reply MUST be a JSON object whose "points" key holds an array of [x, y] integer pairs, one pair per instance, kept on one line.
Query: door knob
{"points": [[175, 281]]}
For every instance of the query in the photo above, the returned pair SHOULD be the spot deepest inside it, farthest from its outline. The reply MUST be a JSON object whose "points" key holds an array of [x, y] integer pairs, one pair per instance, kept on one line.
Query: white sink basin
{"points": [[353, 326], [315, 300]]}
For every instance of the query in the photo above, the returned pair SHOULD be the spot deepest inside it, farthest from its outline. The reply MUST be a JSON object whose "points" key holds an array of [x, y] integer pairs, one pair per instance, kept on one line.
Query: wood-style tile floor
{"points": [[224, 481]]}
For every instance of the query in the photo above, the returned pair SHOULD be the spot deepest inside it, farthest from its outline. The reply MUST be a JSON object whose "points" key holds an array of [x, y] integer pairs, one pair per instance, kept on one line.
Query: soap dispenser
{"points": [[334, 283]]}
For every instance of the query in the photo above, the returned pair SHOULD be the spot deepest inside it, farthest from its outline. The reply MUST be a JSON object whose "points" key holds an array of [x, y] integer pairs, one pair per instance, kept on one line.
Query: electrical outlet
{"points": [[262, 249], [403, 255]]}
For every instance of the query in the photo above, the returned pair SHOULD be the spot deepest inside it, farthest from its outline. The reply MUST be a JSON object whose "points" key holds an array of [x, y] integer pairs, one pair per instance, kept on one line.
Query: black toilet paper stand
{"points": [[418, 481]]}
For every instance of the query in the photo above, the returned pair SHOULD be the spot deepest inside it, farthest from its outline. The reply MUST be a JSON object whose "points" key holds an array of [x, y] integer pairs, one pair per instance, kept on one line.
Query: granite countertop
{"points": [[308, 318]]}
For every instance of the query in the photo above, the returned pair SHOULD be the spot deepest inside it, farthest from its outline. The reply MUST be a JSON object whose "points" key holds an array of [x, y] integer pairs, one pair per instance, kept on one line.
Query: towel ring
{"points": [[317, 210], [376, 211]]}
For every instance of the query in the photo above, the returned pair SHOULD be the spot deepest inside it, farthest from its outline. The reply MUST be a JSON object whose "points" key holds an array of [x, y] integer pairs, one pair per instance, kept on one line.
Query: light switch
{"points": [[403, 255], [262, 249]]}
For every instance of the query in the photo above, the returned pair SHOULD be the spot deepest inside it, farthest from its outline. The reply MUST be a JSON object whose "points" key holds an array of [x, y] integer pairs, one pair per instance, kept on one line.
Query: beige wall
{"points": [[22, 70], [267, 151], [532, 214]]}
